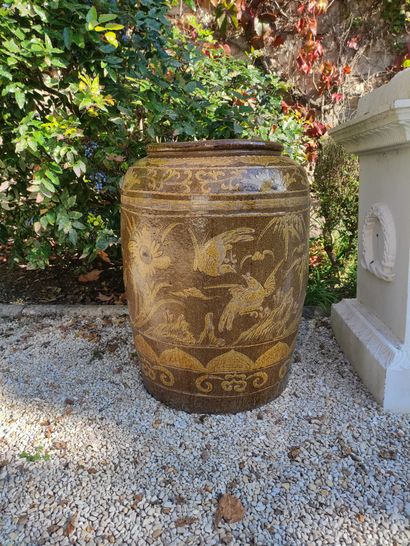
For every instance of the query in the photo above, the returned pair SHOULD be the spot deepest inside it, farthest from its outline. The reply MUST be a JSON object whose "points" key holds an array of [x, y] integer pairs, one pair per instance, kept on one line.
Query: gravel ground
{"points": [[88, 457]]}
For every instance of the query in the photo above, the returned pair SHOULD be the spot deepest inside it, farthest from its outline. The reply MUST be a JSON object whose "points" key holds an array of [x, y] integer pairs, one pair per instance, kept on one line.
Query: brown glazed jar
{"points": [[215, 246]]}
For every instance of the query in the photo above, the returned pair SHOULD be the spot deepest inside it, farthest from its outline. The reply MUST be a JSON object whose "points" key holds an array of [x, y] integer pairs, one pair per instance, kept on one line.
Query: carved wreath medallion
{"points": [[379, 242]]}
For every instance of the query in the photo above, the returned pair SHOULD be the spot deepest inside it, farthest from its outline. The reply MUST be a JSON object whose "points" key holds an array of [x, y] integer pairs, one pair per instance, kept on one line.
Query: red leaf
{"points": [[319, 49], [230, 509], [91, 276], [353, 43], [312, 25], [278, 41], [70, 526], [311, 151], [346, 69], [316, 129], [300, 25], [257, 42], [226, 48], [104, 256], [115, 157], [303, 65], [337, 97], [285, 107]]}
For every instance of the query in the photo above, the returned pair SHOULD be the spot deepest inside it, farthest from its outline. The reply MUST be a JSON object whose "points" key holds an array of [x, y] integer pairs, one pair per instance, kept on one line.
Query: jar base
{"points": [[205, 404]]}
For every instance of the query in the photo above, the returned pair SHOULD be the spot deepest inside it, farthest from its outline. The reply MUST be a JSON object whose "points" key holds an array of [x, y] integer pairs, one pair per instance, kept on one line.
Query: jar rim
{"points": [[220, 146]]}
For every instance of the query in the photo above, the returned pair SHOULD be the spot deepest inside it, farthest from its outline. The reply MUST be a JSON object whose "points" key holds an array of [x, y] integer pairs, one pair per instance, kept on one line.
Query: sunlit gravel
{"points": [[88, 457]]}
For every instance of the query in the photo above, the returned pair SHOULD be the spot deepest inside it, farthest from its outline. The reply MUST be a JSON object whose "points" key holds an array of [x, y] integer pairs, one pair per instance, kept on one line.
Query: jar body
{"points": [[215, 247]]}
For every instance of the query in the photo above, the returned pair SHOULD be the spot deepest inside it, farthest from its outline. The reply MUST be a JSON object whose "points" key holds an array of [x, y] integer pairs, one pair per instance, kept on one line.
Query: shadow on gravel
{"points": [[320, 463]]}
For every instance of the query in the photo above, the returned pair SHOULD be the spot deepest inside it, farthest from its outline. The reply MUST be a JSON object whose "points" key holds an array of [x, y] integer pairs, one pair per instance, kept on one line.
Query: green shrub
{"points": [[84, 88], [333, 259], [397, 14]]}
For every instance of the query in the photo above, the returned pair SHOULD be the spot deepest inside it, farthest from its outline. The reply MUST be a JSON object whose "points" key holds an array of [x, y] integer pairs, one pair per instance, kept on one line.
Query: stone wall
{"points": [[353, 33]]}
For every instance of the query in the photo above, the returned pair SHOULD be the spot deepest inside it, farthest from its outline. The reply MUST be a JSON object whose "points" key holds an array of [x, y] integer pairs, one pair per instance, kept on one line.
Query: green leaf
{"points": [[75, 214], [51, 218], [87, 250], [5, 73], [78, 39], [48, 42], [72, 235], [53, 177], [40, 12], [11, 61], [112, 59], [191, 86], [114, 26], [79, 168], [222, 22], [234, 21], [68, 37], [20, 97], [191, 4], [11, 46], [111, 38], [48, 186], [105, 17], [55, 61], [91, 16]]}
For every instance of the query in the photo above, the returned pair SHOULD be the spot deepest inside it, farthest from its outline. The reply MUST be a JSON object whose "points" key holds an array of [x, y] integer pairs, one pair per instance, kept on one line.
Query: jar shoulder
{"points": [[250, 174]]}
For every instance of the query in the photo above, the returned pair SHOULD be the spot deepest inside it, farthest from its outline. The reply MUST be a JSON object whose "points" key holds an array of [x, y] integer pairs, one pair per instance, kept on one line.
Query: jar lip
{"points": [[221, 146]]}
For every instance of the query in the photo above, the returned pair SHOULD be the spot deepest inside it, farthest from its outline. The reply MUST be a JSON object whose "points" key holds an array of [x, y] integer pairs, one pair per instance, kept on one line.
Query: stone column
{"points": [[374, 329]]}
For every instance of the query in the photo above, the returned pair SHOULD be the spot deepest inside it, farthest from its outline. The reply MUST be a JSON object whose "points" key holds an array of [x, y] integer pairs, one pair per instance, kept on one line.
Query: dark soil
{"points": [[59, 283]]}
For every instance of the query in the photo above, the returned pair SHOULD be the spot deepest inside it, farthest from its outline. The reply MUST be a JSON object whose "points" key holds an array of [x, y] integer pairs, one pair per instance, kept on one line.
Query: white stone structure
{"points": [[374, 329]]}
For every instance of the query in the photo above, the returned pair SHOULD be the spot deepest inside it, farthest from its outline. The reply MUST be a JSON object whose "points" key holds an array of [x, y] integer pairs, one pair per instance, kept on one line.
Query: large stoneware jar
{"points": [[215, 246]]}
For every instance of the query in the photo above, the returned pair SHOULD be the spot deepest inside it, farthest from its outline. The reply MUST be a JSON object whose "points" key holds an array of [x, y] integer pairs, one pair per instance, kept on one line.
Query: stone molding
{"points": [[379, 132], [384, 363], [11, 311]]}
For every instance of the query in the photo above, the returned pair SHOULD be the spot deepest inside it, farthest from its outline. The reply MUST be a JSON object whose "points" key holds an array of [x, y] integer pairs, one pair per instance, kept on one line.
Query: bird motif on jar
{"points": [[247, 299], [214, 257]]}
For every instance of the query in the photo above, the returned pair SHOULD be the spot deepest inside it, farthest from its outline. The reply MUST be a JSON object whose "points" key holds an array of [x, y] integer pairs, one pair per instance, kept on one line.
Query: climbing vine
{"points": [[323, 76]]}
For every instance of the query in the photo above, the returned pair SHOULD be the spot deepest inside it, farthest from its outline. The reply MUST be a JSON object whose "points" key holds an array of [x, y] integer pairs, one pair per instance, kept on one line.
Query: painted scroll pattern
{"points": [[206, 181], [232, 371]]}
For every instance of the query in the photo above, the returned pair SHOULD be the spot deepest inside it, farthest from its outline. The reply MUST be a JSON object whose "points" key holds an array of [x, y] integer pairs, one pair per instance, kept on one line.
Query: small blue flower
{"points": [[99, 179], [125, 36], [89, 149]]}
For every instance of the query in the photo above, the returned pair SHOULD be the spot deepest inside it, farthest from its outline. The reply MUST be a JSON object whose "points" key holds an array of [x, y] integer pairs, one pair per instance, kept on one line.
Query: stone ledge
{"points": [[11, 310], [381, 361], [25, 310], [378, 132], [382, 120]]}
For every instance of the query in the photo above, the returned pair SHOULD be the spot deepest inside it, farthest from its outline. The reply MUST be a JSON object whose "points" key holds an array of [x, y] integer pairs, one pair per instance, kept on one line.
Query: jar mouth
{"points": [[215, 147]]}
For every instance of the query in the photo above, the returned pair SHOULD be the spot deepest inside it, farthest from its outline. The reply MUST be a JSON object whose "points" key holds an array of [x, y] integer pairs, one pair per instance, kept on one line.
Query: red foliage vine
{"points": [[269, 24]]}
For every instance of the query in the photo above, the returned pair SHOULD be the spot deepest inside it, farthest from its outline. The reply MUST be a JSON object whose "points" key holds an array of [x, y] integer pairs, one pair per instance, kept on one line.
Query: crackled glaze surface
{"points": [[215, 261]]}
